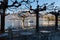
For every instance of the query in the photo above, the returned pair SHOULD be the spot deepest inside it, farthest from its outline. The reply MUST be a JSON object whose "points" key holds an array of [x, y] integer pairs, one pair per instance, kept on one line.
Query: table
{"points": [[26, 35], [3, 36], [45, 34]]}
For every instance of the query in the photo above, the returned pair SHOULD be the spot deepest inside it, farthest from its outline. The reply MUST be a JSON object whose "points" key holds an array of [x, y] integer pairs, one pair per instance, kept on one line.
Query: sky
{"points": [[41, 2]]}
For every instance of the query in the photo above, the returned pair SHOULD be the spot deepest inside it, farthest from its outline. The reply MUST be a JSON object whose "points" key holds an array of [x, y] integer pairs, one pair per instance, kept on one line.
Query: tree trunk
{"points": [[37, 22], [56, 22], [23, 22]]}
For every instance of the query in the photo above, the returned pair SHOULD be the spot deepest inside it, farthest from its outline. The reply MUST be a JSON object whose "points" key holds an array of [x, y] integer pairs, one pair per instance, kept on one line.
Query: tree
{"points": [[23, 16]]}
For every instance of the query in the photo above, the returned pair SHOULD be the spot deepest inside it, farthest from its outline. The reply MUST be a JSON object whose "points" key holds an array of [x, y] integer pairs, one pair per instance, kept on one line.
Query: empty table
{"points": [[3, 36], [45, 34], [26, 35]]}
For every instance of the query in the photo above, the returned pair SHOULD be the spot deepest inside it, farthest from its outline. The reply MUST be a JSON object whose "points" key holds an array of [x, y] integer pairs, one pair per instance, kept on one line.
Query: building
{"points": [[48, 20]]}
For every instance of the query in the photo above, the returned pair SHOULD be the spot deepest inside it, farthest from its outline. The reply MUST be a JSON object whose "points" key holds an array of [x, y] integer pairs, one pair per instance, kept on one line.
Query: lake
{"points": [[28, 22]]}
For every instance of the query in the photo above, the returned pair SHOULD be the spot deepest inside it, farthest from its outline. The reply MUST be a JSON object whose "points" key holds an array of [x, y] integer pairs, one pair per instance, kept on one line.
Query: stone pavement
{"points": [[54, 35]]}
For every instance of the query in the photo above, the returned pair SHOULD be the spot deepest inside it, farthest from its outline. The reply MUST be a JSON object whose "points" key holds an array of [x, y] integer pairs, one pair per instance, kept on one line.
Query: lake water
{"points": [[18, 23]]}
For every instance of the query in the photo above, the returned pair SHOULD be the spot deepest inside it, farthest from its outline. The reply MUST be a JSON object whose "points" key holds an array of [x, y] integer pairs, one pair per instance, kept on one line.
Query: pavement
{"points": [[53, 35]]}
